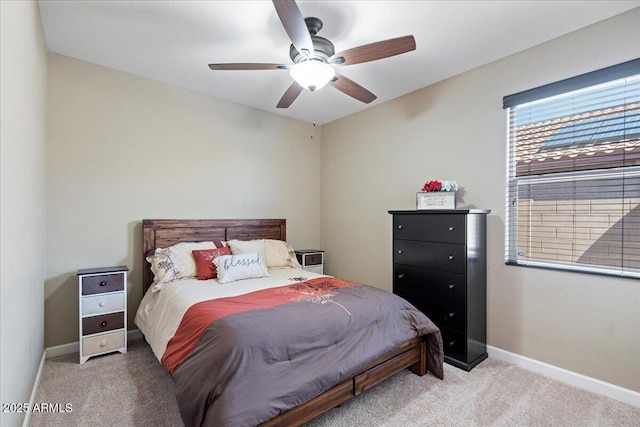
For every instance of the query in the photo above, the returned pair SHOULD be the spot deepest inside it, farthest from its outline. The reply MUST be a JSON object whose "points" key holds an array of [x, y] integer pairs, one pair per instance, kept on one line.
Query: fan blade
{"points": [[373, 51], [293, 23], [290, 95], [248, 66], [352, 89]]}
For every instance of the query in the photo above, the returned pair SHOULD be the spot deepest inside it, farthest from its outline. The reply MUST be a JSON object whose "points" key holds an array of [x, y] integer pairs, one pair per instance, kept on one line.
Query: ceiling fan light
{"points": [[312, 74]]}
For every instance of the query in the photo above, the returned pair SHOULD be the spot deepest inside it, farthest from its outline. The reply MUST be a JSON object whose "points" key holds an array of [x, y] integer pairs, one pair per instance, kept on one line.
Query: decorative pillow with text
{"points": [[239, 267]]}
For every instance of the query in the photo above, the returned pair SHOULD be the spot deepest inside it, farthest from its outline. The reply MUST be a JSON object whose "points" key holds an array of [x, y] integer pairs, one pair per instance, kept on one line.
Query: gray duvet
{"points": [[249, 367]]}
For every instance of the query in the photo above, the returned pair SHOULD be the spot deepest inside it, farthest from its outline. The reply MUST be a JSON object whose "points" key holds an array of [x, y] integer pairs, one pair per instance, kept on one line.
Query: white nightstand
{"points": [[103, 311], [311, 260]]}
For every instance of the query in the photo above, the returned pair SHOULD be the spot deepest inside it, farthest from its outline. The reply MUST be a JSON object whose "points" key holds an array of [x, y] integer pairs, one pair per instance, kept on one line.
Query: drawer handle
{"points": [[104, 323], [400, 227], [450, 315], [451, 343], [451, 257], [451, 286], [451, 228], [103, 343], [400, 251], [103, 283], [102, 303], [400, 276]]}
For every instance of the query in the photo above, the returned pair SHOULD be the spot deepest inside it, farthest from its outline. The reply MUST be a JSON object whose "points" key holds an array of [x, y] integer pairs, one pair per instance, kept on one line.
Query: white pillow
{"points": [[238, 267], [280, 254], [176, 262], [239, 247]]}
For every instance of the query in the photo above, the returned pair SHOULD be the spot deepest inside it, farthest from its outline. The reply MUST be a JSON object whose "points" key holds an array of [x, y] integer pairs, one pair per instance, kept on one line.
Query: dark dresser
{"points": [[439, 265]]}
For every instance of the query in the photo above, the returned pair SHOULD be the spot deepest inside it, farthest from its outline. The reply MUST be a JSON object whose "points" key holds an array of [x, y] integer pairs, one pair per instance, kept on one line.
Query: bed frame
{"points": [[411, 354]]}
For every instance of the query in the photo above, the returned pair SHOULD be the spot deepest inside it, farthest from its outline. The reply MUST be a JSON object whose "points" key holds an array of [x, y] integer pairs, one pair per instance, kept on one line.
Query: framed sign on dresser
{"points": [[439, 265]]}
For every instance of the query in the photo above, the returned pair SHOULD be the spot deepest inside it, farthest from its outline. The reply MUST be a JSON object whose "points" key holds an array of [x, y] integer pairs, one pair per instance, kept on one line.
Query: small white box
{"points": [[436, 200]]}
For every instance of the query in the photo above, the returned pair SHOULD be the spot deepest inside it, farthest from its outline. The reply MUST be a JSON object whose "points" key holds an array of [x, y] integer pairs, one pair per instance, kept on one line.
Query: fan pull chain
{"points": [[313, 113]]}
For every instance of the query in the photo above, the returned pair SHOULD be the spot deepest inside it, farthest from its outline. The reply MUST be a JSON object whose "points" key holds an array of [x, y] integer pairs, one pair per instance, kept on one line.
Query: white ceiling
{"points": [[174, 41]]}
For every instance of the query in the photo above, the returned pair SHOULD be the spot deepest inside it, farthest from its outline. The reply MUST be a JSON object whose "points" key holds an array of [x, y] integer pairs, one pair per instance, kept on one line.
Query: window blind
{"points": [[573, 173]]}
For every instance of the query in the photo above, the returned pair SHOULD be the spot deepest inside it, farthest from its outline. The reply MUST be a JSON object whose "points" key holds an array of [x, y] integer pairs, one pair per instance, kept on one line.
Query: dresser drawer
{"points": [[102, 323], [102, 303], [445, 228], [102, 283], [318, 269], [434, 256], [102, 343], [453, 317], [440, 295], [445, 287], [453, 344], [314, 258]]}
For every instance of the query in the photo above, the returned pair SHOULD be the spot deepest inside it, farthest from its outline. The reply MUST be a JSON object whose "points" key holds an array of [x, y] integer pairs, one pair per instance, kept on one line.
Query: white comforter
{"points": [[161, 312]]}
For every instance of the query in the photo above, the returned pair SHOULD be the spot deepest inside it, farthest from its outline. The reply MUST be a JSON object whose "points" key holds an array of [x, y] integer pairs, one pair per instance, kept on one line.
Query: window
{"points": [[573, 173]]}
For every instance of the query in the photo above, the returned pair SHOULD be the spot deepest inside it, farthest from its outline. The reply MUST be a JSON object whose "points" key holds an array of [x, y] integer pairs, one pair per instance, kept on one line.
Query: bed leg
{"points": [[420, 367]]}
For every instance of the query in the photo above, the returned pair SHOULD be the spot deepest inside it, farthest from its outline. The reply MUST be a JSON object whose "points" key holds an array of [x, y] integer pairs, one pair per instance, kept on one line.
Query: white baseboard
{"points": [[74, 347], [34, 390], [568, 377]]}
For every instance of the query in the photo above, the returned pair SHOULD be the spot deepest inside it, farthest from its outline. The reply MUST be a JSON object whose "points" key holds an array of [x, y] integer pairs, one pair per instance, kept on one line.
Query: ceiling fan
{"points": [[314, 57]]}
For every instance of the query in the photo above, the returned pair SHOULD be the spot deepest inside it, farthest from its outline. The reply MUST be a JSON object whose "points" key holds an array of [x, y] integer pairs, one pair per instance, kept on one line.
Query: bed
{"points": [[312, 380]]}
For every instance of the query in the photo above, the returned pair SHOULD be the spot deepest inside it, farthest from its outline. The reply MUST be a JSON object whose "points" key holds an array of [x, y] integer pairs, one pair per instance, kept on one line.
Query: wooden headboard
{"points": [[162, 233]]}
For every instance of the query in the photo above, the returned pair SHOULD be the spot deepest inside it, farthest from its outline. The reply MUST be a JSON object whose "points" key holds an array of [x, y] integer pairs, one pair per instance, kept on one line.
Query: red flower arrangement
{"points": [[431, 186], [436, 185]]}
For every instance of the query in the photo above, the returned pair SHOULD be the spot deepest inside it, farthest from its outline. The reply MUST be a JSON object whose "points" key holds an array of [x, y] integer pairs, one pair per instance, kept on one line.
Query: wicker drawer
{"points": [[102, 283], [445, 228], [102, 343], [308, 258], [102, 323], [102, 303], [312, 259]]}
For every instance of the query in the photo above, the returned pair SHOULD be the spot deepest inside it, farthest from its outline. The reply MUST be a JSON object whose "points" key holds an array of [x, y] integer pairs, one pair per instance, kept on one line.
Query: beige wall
{"points": [[376, 160], [23, 89], [123, 148]]}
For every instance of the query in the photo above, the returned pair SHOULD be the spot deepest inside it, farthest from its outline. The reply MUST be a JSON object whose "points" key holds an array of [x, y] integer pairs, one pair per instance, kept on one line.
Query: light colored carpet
{"points": [[135, 390]]}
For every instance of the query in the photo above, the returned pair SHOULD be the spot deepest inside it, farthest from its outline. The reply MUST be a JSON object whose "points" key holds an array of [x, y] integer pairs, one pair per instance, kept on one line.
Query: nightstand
{"points": [[103, 311], [311, 260]]}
